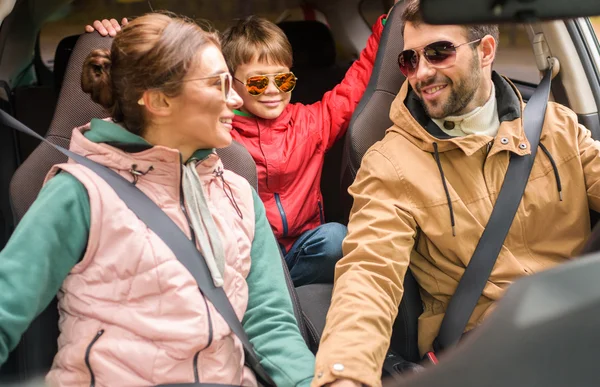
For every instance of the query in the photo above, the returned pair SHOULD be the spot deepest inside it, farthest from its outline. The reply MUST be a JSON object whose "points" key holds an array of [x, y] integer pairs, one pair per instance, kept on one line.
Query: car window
{"points": [[514, 57], [596, 24], [71, 19], [370, 10]]}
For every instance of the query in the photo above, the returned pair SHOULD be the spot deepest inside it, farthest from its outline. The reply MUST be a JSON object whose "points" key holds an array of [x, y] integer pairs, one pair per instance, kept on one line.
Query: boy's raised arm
{"points": [[337, 106]]}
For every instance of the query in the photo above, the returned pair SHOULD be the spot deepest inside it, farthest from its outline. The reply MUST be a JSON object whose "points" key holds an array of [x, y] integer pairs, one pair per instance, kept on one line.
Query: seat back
{"points": [[38, 346], [317, 71], [314, 59], [368, 125]]}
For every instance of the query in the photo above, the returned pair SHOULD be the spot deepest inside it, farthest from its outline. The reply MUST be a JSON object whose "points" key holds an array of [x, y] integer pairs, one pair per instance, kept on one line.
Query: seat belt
{"points": [[471, 285], [159, 222]]}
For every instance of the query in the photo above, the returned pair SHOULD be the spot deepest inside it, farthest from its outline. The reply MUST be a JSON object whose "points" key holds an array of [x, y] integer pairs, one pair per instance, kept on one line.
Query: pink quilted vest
{"points": [[131, 314]]}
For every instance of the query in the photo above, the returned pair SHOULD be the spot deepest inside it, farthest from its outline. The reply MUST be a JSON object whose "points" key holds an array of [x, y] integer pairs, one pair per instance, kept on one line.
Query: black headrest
{"points": [[371, 117], [75, 108], [61, 59], [312, 43]]}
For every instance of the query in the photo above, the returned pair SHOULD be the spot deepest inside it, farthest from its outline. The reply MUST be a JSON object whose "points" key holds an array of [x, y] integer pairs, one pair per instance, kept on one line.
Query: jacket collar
{"points": [[250, 125], [109, 144], [411, 121]]}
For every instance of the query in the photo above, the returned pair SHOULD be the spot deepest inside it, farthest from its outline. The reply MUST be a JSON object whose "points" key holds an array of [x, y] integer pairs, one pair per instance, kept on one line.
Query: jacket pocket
{"points": [[87, 357]]}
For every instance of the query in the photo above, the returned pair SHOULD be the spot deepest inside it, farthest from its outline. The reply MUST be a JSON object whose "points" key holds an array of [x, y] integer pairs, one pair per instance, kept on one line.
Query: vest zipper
{"points": [[192, 232], [321, 212], [282, 213], [87, 356], [210, 339]]}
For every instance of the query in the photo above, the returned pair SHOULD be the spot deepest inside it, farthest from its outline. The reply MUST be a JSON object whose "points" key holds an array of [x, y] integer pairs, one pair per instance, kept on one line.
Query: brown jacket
{"points": [[399, 195]]}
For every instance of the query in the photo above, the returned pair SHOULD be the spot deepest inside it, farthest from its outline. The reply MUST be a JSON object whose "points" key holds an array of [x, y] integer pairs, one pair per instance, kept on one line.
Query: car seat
{"points": [[316, 67], [38, 346], [368, 125]]}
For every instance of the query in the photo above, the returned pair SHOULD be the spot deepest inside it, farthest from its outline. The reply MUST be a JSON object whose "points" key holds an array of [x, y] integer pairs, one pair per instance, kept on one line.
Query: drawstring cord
{"points": [[436, 156], [555, 168], [228, 192], [136, 174]]}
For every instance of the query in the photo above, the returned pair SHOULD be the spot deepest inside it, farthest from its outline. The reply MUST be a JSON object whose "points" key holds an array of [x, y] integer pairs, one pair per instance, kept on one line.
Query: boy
{"points": [[287, 141]]}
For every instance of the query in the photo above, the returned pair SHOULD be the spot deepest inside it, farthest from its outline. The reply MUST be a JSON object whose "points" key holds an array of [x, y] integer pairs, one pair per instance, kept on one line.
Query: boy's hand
{"points": [[106, 27]]}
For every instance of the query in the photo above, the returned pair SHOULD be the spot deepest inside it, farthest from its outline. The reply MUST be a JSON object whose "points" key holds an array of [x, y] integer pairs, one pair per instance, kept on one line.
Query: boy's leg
{"points": [[313, 256]]}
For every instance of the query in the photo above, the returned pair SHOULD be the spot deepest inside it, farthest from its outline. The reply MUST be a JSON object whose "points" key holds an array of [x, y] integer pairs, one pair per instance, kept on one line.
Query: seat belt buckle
{"points": [[430, 358]]}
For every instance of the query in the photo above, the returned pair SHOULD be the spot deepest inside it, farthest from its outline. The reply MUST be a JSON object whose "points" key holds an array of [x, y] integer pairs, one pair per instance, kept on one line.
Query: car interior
{"points": [[45, 94]]}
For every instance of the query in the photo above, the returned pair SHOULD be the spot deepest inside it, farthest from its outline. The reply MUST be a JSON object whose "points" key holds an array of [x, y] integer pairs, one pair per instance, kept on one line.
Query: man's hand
{"points": [[106, 27], [345, 383]]}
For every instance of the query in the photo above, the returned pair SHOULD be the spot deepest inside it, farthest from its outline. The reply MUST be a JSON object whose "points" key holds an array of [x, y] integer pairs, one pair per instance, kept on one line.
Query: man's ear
{"points": [[156, 102], [488, 47]]}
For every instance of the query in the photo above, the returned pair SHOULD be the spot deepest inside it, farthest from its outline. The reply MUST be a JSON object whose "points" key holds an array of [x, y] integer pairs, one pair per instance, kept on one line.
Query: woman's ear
{"points": [[156, 103], [488, 50]]}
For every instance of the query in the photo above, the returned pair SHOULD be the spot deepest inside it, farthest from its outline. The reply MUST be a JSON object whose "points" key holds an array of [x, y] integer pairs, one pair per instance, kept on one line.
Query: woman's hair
{"points": [[154, 51], [255, 37]]}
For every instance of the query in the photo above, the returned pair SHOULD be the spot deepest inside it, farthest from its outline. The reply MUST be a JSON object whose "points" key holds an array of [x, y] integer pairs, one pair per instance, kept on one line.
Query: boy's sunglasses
{"points": [[440, 55], [258, 84]]}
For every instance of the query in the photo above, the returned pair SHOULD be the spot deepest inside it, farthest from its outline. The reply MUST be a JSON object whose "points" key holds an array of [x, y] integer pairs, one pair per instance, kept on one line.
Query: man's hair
{"points": [[412, 13], [255, 37]]}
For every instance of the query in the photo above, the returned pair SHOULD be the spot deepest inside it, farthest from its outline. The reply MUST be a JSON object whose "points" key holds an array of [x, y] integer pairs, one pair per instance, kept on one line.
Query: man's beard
{"points": [[461, 93]]}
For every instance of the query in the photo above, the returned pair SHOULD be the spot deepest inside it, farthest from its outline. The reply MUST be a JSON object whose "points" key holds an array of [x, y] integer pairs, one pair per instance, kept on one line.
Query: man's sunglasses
{"points": [[258, 84], [440, 55]]}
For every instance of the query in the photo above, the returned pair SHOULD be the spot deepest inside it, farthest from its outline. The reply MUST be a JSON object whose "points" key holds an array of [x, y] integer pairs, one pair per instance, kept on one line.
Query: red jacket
{"points": [[289, 150]]}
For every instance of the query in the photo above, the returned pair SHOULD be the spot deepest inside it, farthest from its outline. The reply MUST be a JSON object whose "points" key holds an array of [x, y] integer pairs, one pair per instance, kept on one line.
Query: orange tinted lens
{"points": [[285, 82], [257, 85]]}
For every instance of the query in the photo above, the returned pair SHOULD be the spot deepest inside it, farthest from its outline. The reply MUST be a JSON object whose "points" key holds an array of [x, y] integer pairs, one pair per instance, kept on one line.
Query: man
{"points": [[424, 194]]}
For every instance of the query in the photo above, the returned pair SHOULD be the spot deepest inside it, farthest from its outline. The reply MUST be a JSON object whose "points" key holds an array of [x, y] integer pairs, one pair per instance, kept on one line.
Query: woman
{"points": [[131, 315]]}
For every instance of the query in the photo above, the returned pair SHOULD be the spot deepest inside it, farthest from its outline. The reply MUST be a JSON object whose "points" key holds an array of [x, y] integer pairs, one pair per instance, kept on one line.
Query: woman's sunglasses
{"points": [[225, 81], [258, 84], [440, 55]]}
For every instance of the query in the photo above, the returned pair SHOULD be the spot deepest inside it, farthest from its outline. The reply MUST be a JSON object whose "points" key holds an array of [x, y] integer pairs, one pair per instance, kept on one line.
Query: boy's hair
{"points": [[255, 37], [412, 13]]}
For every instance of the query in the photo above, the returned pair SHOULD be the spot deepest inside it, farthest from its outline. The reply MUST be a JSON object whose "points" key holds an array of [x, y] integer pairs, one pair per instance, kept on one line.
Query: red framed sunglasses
{"points": [[440, 55]]}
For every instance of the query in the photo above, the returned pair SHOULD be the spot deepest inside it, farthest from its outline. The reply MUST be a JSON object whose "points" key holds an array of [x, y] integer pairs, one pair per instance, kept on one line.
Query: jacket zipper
{"points": [[487, 152], [282, 213], [193, 234], [210, 339], [263, 154], [321, 213], [87, 356]]}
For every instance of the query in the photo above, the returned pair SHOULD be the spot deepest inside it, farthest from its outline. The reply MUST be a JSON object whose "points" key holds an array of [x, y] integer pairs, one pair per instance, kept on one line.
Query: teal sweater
{"points": [[52, 237]]}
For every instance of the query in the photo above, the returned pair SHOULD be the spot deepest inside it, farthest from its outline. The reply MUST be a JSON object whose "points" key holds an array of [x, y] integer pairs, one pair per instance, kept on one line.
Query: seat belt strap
{"points": [[471, 285]]}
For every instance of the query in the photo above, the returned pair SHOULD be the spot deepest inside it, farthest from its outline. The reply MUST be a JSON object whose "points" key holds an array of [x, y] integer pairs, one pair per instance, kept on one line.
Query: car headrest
{"points": [[371, 117], [312, 43], [75, 108], [61, 59]]}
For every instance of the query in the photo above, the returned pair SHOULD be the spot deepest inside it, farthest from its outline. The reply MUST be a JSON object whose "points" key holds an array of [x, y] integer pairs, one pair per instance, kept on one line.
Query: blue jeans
{"points": [[313, 256]]}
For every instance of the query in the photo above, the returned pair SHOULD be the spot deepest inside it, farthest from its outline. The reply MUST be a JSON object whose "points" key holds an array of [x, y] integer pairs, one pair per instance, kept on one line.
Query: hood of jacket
{"points": [[412, 122]]}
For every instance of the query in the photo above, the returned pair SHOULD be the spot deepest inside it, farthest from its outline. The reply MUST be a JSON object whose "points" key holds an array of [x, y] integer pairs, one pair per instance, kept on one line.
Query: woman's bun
{"points": [[95, 78]]}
